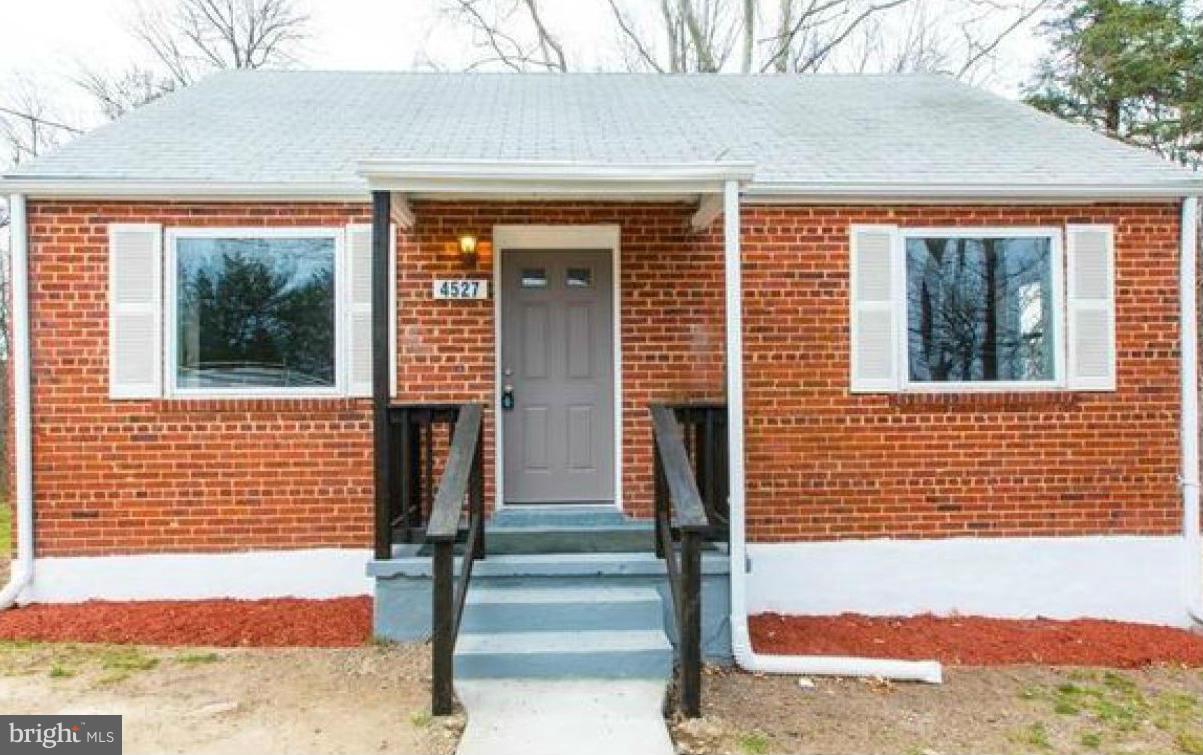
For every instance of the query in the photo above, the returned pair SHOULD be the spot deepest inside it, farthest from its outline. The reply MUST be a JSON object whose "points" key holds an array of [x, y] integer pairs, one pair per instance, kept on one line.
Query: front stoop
{"points": [[565, 644]]}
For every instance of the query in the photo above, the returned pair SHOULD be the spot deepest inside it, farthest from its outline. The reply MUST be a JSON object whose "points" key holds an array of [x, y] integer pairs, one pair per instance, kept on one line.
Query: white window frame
{"points": [[1055, 236], [341, 311]]}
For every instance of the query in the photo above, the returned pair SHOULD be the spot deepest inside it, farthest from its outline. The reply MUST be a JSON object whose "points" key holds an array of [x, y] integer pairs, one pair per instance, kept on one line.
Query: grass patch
{"points": [[1116, 708], [1035, 736], [58, 671], [752, 743], [195, 659], [1190, 742], [1091, 740], [127, 659], [420, 719]]}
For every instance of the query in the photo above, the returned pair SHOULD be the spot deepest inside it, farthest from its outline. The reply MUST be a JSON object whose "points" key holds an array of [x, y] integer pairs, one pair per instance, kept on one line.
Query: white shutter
{"points": [[359, 310], [135, 310], [874, 293], [1090, 266]]}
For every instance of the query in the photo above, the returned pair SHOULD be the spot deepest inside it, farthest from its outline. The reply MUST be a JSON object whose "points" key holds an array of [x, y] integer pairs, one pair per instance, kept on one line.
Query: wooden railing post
{"points": [[443, 636], [680, 509], [690, 630], [382, 462]]}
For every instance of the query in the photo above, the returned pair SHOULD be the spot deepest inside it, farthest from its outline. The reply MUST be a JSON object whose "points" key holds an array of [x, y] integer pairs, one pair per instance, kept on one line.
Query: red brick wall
{"points": [[139, 476], [825, 464], [169, 475], [209, 475]]}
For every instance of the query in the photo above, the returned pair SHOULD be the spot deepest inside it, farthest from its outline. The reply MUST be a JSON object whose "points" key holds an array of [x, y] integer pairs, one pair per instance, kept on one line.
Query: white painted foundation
{"points": [[1124, 578], [317, 573]]}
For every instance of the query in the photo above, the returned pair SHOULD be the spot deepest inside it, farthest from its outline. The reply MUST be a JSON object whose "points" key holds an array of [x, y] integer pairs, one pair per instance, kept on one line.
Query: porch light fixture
{"points": [[467, 245]]}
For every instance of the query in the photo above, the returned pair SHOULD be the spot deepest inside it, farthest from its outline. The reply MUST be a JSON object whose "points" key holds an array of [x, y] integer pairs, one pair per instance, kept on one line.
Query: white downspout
{"points": [[745, 656], [1189, 330], [22, 568]]}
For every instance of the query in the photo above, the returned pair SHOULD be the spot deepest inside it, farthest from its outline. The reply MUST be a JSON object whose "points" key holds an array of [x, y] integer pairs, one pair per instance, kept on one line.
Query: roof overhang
{"points": [[51, 187], [829, 192], [542, 180], [423, 178]]}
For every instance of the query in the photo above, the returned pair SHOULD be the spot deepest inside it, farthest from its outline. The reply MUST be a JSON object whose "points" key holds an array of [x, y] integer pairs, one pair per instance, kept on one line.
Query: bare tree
{"points": [[961, 39], [955, 37], [28, 124], [195, 36], [191, 37], [511, 33], [809, 31], [117, 95]]}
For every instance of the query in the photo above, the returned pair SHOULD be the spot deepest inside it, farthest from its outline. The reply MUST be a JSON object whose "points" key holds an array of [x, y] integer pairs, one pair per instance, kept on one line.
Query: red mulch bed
{"points": [[285, 622], [978, 641]]}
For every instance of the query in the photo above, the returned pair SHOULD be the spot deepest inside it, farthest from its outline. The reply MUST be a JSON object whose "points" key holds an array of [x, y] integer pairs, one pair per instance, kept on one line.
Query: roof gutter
{"points": [[51, 187], [544, 178], [22, 572], [828, 192]]}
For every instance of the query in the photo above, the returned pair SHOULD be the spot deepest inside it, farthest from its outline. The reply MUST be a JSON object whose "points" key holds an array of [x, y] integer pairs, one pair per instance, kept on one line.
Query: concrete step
{"points": [[558, 515], [564, 608], [590, 654], [554, 539]]}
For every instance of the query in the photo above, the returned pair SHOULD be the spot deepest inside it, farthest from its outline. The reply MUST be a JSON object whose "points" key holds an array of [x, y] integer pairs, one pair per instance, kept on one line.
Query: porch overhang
{"points": [[485, 180]]}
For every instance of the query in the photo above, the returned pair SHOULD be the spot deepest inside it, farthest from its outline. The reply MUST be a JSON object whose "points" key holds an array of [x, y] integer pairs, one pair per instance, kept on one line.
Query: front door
{"points": [[557, 373]]}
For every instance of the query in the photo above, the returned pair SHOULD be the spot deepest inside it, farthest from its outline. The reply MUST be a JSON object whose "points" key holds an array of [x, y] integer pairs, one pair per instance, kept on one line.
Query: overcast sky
{"points": [[47, 41]]}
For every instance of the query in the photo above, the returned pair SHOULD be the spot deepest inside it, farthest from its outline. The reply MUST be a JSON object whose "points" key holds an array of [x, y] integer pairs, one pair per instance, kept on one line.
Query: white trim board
{"points": [[317, 573], [1126, 578], [169, 347], [568, 238]]}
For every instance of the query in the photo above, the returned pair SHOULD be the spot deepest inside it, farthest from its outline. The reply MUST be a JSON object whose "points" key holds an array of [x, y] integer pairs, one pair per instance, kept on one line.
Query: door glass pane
{"points": [[579, 277], [534, 277], [255, 313]]}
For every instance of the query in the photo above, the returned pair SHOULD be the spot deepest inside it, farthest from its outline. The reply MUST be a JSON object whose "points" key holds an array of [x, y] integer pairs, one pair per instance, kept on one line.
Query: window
{"points": [[534, 277], [979, 309], [579, 277], [254, 312]]}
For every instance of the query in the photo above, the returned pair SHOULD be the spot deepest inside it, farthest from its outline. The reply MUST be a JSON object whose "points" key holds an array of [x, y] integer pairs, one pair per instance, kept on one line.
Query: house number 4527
{"points": [[461, 289]]}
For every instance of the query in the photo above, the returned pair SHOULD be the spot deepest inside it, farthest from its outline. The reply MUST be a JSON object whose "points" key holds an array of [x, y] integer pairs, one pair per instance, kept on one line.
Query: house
{"points": [[933, 350]]}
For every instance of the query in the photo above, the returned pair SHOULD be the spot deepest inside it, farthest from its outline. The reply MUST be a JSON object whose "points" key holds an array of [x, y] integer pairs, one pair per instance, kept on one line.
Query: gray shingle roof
{"points": [[314, 127]]}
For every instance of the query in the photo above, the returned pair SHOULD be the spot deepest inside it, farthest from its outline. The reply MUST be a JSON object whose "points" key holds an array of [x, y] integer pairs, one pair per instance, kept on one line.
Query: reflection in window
{"points": [[255, 312], [534, 277], [579, 277], [979, 309]]}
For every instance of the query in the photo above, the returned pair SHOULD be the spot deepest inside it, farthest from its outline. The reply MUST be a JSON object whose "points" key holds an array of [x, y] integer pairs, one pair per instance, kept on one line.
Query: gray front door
{"points": [[557, 361]]}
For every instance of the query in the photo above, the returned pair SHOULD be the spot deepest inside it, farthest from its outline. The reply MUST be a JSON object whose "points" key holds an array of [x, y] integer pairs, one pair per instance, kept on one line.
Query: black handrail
{"points": [[418, 433], [463, 476], [679, 509], [704, 427]]}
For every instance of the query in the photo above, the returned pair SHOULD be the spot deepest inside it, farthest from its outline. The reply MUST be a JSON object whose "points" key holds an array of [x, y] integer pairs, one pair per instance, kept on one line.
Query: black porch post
{"points": [[382, 469]]}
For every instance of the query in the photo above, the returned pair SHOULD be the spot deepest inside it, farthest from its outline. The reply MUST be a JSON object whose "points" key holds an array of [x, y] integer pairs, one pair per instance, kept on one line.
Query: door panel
{"points": [[557, 354]]}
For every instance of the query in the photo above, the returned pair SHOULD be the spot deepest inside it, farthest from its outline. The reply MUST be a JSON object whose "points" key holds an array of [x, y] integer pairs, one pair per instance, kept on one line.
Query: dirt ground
{"points": [[355, 701], [1013, 709]]}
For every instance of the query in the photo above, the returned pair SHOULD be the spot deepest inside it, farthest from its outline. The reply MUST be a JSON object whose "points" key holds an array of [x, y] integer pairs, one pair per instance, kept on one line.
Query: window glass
{"points": [[979, 309], [255, 313], [579, 277], [534, 277]]}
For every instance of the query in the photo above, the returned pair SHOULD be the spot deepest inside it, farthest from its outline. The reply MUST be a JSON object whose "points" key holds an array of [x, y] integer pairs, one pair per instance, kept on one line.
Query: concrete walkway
{"points": [[562, 716]]}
